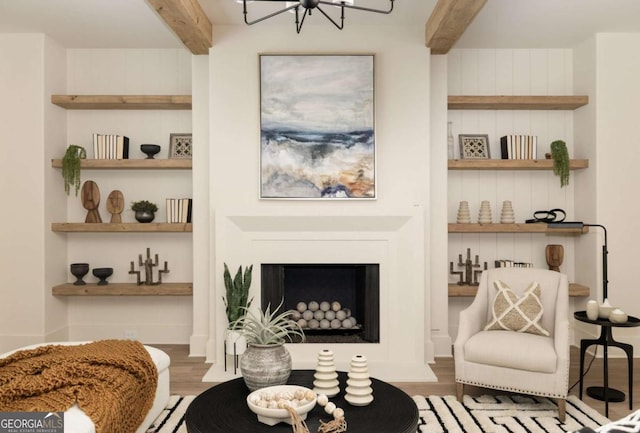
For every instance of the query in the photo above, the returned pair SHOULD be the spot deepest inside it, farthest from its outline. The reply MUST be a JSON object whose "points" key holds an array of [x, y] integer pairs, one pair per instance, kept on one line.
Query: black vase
{"points": [[143, 216]]}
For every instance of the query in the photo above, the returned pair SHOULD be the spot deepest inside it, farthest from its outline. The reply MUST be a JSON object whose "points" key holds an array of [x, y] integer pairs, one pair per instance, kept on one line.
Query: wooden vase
{"points": [[555, 255]]}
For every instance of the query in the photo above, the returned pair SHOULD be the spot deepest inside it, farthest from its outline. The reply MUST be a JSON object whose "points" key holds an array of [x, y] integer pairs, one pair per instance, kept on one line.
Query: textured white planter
{"points": [[239, 340], [265, 365]]}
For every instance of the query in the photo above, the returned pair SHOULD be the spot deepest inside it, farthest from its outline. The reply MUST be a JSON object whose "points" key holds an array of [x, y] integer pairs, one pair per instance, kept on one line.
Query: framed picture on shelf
{"points": [[474, 146], [180, 146], [317, 138]]}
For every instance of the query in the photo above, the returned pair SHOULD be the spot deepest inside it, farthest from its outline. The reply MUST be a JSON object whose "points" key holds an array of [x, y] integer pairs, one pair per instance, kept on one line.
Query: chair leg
{"points": [[562, 409], [459, 391]]}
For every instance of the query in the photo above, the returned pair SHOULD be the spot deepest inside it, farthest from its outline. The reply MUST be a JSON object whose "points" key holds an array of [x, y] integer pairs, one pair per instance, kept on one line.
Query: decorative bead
{"points": [[338, 413], [330, 407], [322, 399]]}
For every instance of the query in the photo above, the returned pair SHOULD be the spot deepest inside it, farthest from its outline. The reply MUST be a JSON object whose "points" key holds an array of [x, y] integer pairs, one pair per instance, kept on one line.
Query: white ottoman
{"points": [[75, 420]]}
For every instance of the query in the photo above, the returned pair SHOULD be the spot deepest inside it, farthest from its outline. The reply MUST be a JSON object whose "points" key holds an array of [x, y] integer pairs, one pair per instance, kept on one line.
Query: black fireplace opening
{"points": [[335, 303]]}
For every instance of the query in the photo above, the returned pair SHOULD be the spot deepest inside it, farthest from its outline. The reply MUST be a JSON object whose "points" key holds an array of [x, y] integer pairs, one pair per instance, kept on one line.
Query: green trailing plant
{"points": [[144, 206], [561, 161], [71, 167], [268, 327], [237, 291]]}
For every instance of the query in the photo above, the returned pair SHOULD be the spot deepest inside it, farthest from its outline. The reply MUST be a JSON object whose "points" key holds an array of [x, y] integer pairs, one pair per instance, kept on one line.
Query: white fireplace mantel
{"points": [[393, 238]]}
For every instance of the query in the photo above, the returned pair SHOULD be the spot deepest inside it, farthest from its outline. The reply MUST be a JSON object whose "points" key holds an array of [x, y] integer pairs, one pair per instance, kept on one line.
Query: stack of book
{"points": [[110, 146], [179, 210], [512, 264], [519, 146]]}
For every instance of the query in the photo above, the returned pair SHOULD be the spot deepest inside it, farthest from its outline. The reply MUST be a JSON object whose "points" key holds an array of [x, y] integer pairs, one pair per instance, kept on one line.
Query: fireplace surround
{"points": [[392, 239]]}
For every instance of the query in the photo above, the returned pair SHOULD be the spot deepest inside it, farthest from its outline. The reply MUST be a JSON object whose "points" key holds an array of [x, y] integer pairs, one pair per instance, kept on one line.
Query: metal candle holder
{"points": [[470, 275], [148, 265]]}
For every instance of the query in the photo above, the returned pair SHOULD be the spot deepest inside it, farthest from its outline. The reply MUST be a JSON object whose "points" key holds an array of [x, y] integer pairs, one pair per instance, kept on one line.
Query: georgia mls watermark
{"points": [[31, 422]]}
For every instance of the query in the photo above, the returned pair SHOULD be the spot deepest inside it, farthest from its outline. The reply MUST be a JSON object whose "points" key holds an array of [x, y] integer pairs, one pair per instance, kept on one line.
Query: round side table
{"points": [[604, 393]]}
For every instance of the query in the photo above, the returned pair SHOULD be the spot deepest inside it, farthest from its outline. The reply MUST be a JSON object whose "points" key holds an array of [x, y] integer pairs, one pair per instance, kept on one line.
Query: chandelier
{"points": [[308, 6]]}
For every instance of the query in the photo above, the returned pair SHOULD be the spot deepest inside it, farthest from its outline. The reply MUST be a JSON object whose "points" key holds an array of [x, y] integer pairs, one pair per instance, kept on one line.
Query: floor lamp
{"points": [[605, 251]]}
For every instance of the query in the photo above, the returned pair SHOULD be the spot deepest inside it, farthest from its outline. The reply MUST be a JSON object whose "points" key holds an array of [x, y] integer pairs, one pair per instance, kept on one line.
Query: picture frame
{"points": [[180, 146], [474, 146], [317, 137]]}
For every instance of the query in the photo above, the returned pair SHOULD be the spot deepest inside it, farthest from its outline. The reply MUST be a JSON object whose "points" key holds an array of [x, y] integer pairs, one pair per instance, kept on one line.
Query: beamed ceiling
{"points": [[447, 23]]}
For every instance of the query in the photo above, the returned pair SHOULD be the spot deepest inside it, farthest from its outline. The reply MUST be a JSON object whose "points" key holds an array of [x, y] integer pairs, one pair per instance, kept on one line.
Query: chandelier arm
{"points": [[304, 15], [343, 5], [339, 26], [244, 11]]}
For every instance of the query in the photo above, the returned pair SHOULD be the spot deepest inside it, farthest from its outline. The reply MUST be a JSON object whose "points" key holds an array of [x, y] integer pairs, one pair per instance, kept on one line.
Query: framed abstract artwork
{"points": [[317, 136]]}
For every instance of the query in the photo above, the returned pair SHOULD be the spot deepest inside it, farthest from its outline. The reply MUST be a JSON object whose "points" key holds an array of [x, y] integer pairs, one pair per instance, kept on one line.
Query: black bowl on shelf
{"points": [[79, 270], [102, 274], [150, 149]]}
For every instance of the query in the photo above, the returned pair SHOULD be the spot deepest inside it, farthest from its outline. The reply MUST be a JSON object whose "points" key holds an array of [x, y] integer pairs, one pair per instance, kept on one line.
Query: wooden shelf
{"points": [[123, 102], [131, 164], [124, 289], [464, 291], [504, 102], [121, 227], [511, 164], [514, 228]]}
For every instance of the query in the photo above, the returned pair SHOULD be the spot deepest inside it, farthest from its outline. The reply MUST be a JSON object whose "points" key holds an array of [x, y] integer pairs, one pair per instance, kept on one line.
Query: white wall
{"points": [[510, 72], [402, 117], [26, 58], [610, 75]]}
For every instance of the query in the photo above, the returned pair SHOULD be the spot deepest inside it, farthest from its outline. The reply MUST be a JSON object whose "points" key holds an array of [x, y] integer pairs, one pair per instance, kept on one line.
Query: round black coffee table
{"points": [[223, 409]]}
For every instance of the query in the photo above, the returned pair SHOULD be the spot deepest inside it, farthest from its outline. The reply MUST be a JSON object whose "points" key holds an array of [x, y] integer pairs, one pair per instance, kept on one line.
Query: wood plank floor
{"points": [[187, 372]]}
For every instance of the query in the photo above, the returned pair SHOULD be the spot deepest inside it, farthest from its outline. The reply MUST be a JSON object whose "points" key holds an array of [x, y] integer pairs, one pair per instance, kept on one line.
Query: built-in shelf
{"points": [[121, 227], [124, 289], [123, 102], [130, 164], [511, 164], [505, 102], [514, 228], [464, 291]]}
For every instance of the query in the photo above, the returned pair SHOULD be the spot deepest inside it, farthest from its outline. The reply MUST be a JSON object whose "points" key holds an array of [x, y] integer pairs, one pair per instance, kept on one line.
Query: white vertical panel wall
{"points": [[130, 71], [510, 72]]}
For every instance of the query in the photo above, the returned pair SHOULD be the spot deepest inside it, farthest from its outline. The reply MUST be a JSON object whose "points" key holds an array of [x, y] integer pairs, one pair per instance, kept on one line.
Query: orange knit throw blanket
{"points": [[113, 381]]}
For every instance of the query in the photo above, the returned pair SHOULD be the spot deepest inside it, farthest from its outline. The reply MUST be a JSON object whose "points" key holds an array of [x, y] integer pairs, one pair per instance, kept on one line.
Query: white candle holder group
{"points": [[358, 391]]}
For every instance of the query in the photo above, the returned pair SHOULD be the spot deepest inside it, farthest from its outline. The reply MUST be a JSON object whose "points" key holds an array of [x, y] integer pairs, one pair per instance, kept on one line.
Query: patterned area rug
{"points": [[438, 414]]}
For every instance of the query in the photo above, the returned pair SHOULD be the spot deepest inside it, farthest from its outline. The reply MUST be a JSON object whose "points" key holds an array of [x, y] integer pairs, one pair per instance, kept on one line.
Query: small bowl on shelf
{"points": [[150, 150], [79, 270], [102, 274], [259, 401]]}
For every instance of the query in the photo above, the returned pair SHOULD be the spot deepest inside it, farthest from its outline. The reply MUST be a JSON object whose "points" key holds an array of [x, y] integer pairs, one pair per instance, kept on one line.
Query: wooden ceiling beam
{"points": [[448, 21], [188, 21]]}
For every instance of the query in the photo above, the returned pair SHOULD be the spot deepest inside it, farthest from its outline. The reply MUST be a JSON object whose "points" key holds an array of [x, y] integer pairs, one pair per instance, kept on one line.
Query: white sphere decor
{"points": [[307, 315], [325, 324], [336, 324], [347, 324], [335, 306], [301, 307], [313, 324], [295, 315], [341, 315], [330, 315], [318, 315], [313, 306], [325, 306], [303, 323]]}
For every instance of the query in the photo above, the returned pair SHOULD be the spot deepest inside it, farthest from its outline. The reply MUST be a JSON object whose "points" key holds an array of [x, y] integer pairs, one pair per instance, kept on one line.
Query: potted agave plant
{"points": [[236, 302], [267, 361]]}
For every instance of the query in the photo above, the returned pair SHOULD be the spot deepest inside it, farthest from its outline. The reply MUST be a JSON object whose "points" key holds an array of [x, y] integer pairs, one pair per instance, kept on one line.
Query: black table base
{"points": [[223, 409], [605, 393]]}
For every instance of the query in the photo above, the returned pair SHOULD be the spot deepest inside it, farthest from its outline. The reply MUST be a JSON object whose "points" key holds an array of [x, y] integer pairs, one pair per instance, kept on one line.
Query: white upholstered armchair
{"points": [[526, 362]]}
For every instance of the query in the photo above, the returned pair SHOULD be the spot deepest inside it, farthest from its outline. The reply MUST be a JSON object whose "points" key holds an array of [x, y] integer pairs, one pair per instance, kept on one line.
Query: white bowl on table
{"points": [[274, 416]]}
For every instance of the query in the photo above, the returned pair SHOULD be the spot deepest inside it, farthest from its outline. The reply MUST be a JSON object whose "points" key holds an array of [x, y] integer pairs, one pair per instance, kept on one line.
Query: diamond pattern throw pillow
{"points": [[514, 313]]}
